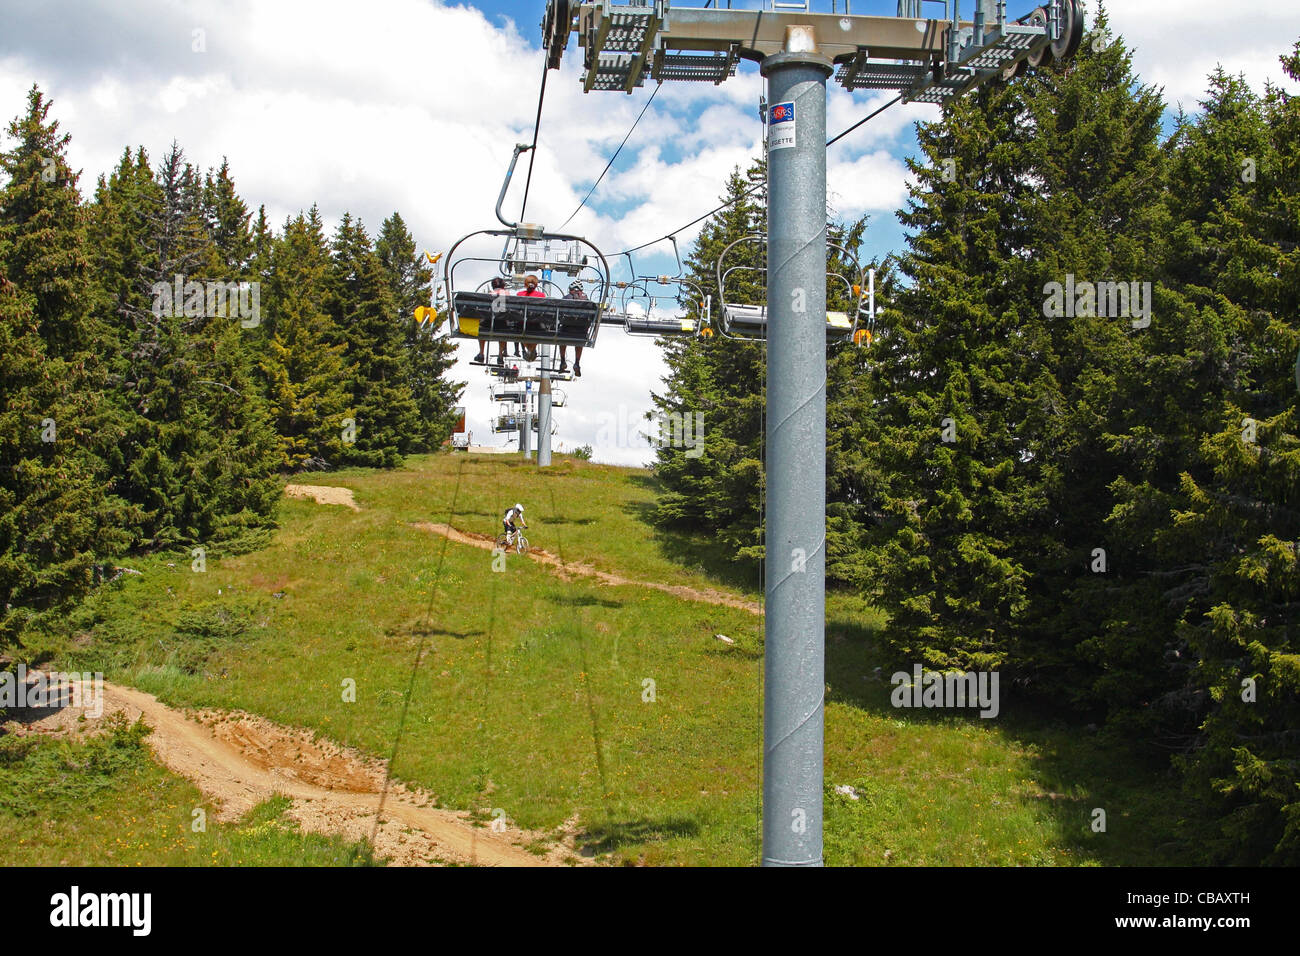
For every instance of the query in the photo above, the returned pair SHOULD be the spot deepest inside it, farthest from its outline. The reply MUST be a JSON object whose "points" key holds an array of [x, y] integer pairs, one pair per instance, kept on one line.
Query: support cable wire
{"points": [[532, 150], [487, 682], [612, 158], [753, 189], [586, 681], [874, 113], [419, 656]]}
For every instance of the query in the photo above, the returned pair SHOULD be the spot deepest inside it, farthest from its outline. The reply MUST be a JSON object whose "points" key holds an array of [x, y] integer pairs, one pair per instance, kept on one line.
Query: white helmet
{"points": [[519, 507]]}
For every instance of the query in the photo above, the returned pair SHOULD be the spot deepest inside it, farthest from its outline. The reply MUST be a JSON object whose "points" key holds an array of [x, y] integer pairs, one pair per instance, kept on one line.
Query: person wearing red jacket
{"points": [[530, 289]]}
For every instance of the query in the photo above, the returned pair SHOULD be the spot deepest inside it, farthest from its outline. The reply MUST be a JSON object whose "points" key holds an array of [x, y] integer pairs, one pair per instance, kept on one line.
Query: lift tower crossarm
{"points": [[930, 60], [761, 33]]}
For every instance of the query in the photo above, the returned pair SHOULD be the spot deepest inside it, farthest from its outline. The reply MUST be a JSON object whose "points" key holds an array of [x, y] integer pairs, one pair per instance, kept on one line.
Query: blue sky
{"points": [[885, 234], [415, 105]]}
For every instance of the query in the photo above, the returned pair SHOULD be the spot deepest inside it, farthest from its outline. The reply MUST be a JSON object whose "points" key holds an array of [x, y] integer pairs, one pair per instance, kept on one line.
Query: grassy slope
{"points": [[531, 693]]}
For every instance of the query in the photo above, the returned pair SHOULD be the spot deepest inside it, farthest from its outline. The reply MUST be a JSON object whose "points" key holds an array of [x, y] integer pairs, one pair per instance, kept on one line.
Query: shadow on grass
{"points": [[694, 550], [419, 630], [443, 632], [1072, 770], [1148, 821], [582, 600], [735, 650], [615, 835]]}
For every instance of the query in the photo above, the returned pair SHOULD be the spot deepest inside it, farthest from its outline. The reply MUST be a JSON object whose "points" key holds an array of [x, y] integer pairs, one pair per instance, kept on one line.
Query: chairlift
{"points": [[474, 313], [513, 393], [749, 320], [646, 292], [508, 420], [507, 373], [640, 303]]}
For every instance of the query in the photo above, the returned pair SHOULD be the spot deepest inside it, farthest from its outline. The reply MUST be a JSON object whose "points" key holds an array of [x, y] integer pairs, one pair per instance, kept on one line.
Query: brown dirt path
{"points": [[570, 569], [238, 760], [323, 494]]}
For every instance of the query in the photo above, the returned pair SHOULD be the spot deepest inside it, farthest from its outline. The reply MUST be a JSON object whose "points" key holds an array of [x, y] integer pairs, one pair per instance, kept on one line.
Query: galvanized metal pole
{"points": [[544, 410], [526, 427], [794, 656]]}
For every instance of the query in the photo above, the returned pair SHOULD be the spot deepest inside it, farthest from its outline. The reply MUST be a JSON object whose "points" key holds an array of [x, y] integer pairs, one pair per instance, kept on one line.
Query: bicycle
{"points": [[504, 542]]}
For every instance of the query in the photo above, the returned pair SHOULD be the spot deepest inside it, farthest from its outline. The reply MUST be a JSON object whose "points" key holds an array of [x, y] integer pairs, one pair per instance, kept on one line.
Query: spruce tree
{"points": [[55, 519], [197, 456], [228, 222], [303, 367], [956, 394], [428, 355], [1223, 527], [388, 423], [52, 504], [721, 486], [42, 222], [1096, 218]]}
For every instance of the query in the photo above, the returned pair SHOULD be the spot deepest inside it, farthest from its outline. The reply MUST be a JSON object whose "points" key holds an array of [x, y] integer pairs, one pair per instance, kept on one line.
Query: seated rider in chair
{"points": [[575, 292], [498, 288], [530, 289]]}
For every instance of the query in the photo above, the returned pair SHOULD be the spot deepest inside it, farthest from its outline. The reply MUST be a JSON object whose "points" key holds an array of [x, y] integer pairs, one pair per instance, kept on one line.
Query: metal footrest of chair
{"points": [[696, 67]]}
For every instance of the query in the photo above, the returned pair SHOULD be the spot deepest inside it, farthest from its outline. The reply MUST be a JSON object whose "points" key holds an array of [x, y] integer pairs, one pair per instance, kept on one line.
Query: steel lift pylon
{"points": [[928, 60]]}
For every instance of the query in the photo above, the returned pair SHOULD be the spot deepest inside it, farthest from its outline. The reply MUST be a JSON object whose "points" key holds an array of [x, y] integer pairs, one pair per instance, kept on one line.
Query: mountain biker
{"points": [[508, 520]]}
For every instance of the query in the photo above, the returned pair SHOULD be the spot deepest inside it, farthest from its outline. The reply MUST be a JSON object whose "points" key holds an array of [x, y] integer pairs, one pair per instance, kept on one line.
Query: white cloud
{"points": [[874, 183], [415, 106], [1177, 43]]}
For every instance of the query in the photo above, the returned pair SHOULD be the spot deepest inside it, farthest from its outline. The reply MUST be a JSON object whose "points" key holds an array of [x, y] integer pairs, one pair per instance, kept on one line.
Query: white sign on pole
{"points": [[780, 126]]}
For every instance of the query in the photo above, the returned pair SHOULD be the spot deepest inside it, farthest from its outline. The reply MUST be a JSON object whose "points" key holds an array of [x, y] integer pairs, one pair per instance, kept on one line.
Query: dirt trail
{"points": [[323, 494], [238, 760], [570, 569], [329, 495]]}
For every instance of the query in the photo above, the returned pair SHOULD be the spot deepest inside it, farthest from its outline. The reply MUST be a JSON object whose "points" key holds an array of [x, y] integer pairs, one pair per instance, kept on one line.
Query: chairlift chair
{"points": [[646, 323], [507, 421], [644, 293], [515, 318], [507, 373], [748, 320], [508, 393], [528, 248]]}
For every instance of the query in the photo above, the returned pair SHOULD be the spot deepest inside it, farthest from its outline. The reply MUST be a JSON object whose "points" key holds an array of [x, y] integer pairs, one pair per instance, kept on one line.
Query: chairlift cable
{"points": [[487, 670], [755, 188], [598, 746], [532, 150], [870, 115], [419, 656], [612, 158]]}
